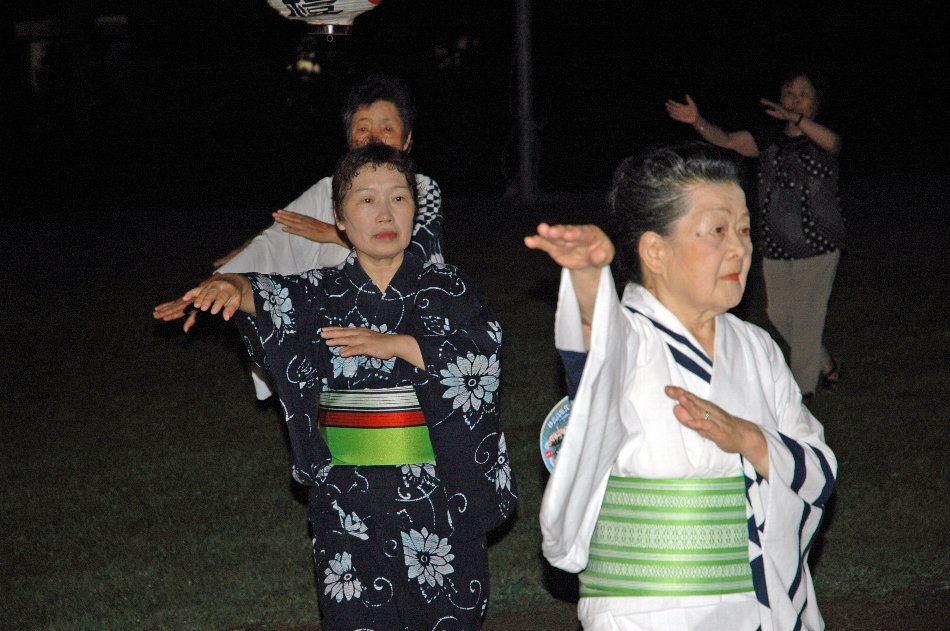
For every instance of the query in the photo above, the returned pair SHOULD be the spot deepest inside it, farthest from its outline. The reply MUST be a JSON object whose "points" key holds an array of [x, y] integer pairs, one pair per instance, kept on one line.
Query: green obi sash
{"points": [[682, 537], [383, 426]]}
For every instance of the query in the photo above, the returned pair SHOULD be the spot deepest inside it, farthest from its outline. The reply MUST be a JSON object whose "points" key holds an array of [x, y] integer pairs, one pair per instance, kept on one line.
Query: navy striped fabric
{"points": [[680, 354]]}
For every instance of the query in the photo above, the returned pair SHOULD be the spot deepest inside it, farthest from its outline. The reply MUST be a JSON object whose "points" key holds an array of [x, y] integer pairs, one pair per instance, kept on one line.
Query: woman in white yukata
{"points": [[691, 480]]}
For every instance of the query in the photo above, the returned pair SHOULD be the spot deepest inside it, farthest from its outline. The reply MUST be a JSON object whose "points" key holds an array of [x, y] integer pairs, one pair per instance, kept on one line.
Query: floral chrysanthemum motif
{"points": [[277, 303], [472, 380], [502, 468], [427, 557], [340, 580]]}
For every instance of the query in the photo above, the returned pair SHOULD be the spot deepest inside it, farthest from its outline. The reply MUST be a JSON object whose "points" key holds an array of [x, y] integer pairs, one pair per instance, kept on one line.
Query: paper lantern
{"points": [[325, 17]]}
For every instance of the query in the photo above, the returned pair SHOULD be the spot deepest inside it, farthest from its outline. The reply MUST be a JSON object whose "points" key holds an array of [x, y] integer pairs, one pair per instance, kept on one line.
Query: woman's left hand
{"points": [[356, 341], [730, 433], [775, 110]]}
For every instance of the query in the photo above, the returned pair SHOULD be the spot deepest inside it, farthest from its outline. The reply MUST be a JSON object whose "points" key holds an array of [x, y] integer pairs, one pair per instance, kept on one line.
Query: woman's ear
{"points": [[652, 251]]}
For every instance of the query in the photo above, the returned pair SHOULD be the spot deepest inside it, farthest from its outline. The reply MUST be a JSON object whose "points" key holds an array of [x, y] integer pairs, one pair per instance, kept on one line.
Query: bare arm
{"points": [[816, 132], [741, 142], [585, 251], [309, 228]]}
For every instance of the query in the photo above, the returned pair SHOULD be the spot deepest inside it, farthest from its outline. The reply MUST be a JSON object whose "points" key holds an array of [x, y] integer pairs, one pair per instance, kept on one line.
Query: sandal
{"points": [[829, 378]]}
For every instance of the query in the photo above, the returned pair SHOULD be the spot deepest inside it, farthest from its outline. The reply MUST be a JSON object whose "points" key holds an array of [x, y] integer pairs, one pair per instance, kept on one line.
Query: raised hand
{"points": [[308, 227], [573, 247], [775, 110], [683, 112]]}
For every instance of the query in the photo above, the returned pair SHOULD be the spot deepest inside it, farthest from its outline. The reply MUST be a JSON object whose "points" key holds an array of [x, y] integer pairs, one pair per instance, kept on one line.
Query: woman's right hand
{"points": [[308, 227], [573, 247], [224, 293], [683, 112]]}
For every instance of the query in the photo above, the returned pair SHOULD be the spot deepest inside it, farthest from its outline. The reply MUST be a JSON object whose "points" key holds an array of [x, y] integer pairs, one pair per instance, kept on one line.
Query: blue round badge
{"points": [[552, 432]]}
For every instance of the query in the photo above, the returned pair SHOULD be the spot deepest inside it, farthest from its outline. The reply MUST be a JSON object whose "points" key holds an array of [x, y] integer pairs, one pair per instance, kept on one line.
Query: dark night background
{"points": [[194, 106]]}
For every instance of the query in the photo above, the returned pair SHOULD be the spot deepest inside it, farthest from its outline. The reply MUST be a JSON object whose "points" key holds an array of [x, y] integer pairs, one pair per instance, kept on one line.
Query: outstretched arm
{"points": [[309, 228], [816, 132], [741, 142], [222, 293], [585, 251]]}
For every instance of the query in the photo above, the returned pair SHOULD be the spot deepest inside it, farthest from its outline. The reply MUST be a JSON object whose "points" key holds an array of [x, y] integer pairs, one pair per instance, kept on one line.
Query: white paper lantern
{"points": [[326, 17]]}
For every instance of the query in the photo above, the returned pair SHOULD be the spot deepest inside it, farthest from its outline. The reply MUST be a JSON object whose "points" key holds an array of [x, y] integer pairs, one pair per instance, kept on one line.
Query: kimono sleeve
{"points": [[789, 506], [278, 338], [460, 391], [427, 236], [595, 430]]}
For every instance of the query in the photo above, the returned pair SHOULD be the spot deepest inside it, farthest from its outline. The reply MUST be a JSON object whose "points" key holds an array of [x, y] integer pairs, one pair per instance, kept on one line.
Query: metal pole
{"points": [[527, 163]]}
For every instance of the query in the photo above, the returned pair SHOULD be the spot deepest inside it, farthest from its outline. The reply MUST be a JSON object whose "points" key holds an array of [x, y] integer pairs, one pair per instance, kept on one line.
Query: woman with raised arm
{"points": [[802, 226], [388, 371], [691, 479]]}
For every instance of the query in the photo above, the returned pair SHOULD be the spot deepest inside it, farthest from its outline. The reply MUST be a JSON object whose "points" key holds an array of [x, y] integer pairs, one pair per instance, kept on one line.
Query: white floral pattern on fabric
{"points": [[472, 380], [314, 276], [352, 524], [427, 556], [502, 468], [340, 580], [277, 302]]}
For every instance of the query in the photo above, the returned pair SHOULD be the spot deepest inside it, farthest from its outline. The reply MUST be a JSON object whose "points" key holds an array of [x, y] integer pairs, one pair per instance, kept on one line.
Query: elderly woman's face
{"points": [[709, 251], [377, 212], [380, 121]]}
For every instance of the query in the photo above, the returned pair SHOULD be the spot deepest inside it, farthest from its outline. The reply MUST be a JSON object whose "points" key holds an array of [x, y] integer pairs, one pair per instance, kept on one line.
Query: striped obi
{"points": [[375, 427], [680, 537]]}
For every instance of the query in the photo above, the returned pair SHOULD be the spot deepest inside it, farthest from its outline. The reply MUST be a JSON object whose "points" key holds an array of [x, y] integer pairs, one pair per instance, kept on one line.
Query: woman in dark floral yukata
{"points": [[388, 370]]}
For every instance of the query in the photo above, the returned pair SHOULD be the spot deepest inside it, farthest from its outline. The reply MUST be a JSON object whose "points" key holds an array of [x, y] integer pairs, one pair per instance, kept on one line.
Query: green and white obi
{"points": [[673, 537]]}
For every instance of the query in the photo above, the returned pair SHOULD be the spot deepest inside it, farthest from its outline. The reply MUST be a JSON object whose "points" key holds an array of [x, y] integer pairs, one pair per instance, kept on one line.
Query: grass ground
{"points": [[144, 488]]}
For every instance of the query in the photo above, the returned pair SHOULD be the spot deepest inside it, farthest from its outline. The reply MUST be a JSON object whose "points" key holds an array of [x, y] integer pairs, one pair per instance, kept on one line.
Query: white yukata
{"points": [[622, 424], [275, 251]]}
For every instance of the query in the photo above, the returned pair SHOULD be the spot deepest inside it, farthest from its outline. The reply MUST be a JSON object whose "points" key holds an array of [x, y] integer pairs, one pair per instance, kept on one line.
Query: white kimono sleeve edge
{"points": [[572, 498]]}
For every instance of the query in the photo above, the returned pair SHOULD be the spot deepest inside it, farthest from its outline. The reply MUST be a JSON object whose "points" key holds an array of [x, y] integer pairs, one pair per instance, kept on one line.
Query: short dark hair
{"points": [[791, 73], [650, 191], [376, 154], [379, 87]]}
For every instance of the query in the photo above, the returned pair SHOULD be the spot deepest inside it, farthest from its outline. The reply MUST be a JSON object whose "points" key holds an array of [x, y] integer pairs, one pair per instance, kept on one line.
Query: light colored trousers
{"points": [[797, 293]]}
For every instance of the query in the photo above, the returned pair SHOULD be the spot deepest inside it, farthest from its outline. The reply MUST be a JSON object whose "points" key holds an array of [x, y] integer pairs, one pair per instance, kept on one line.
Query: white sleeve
{"points": [[594, 432], [275, 251]]}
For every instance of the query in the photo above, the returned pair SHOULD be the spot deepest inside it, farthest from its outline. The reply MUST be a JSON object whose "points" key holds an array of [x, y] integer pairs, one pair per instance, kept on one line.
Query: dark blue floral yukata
{"points": [[395, 546]]}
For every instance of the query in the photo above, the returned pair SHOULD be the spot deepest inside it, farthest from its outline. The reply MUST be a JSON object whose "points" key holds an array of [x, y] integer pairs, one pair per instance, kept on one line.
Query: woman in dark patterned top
{"points": [[388, 371], [802, 225]]}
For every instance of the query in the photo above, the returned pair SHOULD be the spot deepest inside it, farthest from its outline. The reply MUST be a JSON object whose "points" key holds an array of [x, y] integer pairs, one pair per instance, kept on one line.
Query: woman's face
{"points": [[379, 121], [799, 95], [707, 255], [377, 212]]}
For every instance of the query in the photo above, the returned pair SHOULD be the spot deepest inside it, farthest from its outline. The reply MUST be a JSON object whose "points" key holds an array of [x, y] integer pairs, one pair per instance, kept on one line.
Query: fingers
{"points": [[190, 321], [691, 409]]}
